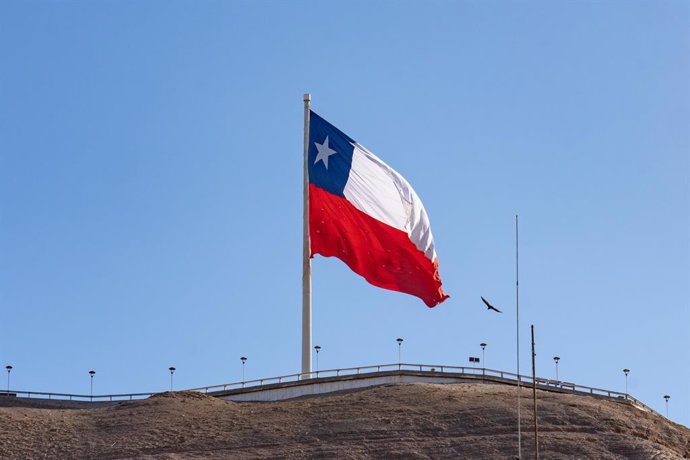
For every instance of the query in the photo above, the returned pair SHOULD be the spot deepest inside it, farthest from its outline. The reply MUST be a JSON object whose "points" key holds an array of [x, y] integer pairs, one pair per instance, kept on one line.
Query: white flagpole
{"points": [[306, 261], [517, 322]]}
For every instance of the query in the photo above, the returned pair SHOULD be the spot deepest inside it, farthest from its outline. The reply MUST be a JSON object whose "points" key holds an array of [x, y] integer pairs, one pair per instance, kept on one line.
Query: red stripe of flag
{"points": [[383, 255]]}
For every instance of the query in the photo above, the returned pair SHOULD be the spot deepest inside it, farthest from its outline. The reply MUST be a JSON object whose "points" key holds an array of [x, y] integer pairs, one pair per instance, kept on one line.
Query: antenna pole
{"points": [[517, 333], [534, 398], [306, 249]]}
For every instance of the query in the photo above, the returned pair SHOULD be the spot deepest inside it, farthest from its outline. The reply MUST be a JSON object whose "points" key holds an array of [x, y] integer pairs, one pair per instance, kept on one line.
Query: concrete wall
{"points": [[333, 384], [291, 390]]}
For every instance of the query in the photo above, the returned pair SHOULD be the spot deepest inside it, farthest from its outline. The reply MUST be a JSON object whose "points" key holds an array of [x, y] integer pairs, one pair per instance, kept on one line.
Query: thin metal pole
{"points": [[534, 399], [306, 249], [667, 397], [8, 380], [171, 381], [625, 371], [517, 332]]}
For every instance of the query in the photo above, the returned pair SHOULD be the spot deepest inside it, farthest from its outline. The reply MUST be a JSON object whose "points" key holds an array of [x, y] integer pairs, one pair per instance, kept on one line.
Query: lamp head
{"points": [[556, 358], [483, 345], [626, 371], [667, 397], [9, 368], [92, 373], [243, 359], [172, 369], [399, 340], [317, 348]]}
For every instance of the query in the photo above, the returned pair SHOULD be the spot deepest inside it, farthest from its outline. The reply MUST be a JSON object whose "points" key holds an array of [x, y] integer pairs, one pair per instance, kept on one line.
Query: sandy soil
{"points": [[395, 421]]}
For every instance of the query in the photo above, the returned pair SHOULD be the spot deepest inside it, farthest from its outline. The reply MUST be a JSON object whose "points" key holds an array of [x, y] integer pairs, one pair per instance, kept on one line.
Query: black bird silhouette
{"points": [[489, 306]]}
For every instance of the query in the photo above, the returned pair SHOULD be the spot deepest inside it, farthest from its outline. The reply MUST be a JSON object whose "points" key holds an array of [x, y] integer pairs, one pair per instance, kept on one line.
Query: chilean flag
{"points": [[367, 215]]}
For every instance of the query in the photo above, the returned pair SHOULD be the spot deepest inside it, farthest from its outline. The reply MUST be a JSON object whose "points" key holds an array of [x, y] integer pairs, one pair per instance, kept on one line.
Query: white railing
{"points": [[75, 397], [427, 369]]}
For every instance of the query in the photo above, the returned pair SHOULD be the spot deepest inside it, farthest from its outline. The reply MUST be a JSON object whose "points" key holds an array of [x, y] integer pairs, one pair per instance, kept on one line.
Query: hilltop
{"points": [[394, 421]]}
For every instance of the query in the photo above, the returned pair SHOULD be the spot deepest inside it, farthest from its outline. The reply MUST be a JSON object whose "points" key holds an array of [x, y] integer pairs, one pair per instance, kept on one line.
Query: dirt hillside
{"points": [[395, 421]]}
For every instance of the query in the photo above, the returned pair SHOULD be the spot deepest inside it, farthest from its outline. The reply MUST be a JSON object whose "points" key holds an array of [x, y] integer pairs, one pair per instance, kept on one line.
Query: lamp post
{"points": [[555, 360], [483, 345], [91, 374], [626, 372], [667, 397], [400, 341], [318, 349], [244, 360], [172, 371], [9, 369]]}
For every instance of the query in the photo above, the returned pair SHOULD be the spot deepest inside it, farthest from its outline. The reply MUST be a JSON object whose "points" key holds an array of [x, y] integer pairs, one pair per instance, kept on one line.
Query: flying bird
{"points": [[489, 306]]}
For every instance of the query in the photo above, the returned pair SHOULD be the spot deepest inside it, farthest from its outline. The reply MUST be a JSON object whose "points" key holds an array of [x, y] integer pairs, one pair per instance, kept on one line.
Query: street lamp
{"points": [[172, 371], [244, 360], [318, 349], [91, 374], [667, 397], [555, 360], [626, 372], [483, 345], [9, 369], [400, 341]]}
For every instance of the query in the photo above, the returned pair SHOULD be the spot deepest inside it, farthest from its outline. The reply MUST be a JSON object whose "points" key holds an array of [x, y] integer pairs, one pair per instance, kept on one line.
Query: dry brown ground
{"points": [[394, 421]]}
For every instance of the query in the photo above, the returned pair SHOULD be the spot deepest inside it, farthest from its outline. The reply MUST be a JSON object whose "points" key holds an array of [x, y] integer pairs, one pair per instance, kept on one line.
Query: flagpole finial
{"points": [[307, 97]]}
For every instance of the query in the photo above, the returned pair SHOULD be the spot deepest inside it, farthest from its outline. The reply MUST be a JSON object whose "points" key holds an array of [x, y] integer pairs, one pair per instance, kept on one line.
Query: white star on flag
{"points": [[324, 152]]}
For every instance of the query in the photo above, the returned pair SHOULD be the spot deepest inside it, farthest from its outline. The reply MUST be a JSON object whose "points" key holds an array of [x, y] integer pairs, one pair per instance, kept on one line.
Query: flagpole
{"points": [[517, 329], [306, 261]]}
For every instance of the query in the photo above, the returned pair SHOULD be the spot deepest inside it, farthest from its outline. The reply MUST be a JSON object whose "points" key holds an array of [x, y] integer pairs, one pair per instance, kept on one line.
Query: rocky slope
{"points": [[396, 421]]}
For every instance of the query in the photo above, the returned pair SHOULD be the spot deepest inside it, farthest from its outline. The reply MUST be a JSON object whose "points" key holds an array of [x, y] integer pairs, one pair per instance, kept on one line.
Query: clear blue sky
{"points": [[151, 168]]}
